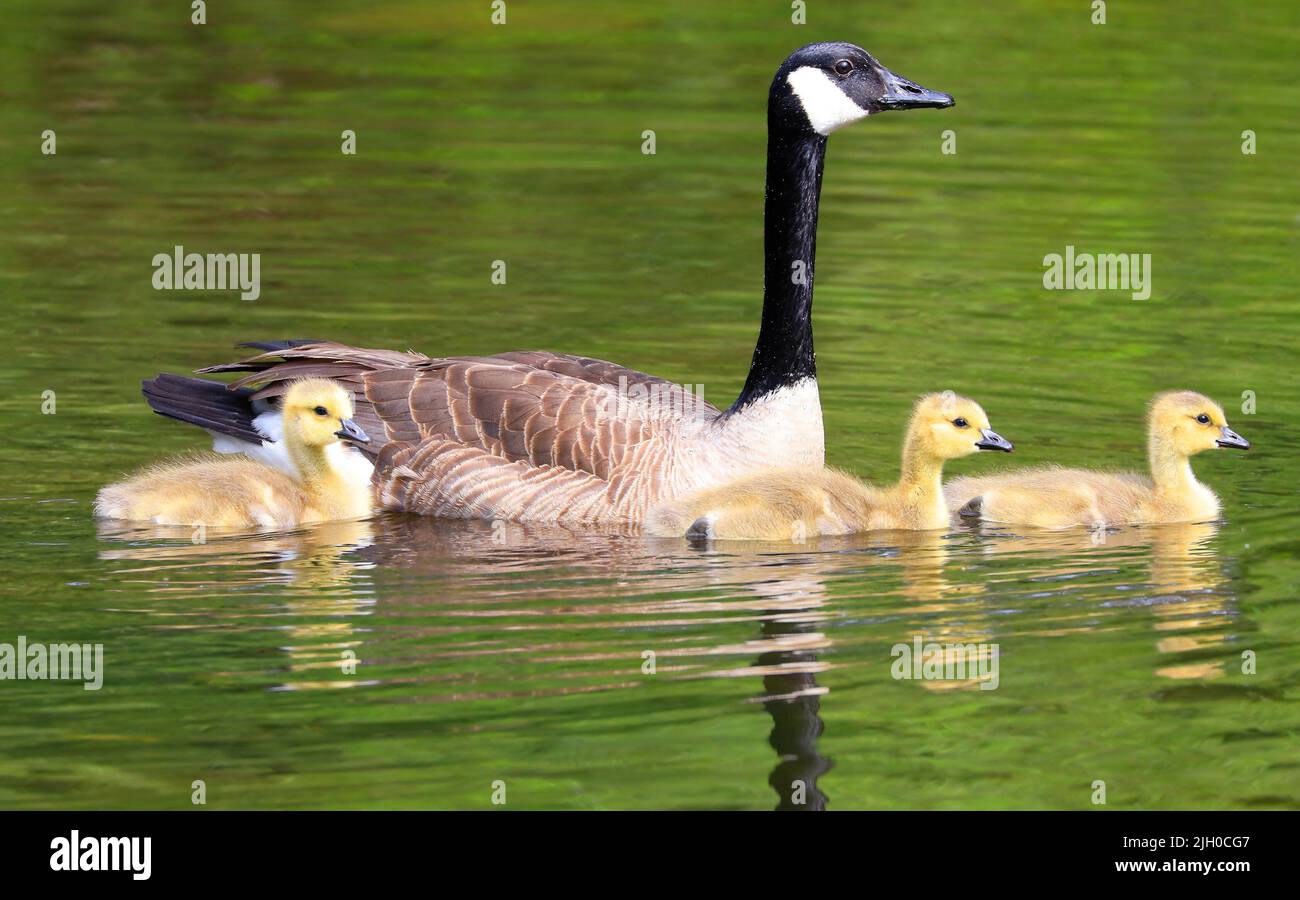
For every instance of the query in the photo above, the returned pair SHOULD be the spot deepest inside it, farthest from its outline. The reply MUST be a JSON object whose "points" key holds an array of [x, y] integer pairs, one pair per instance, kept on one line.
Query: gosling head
{"points": [[949, 426], [319, 412], [823, 87], [1190, 422]]}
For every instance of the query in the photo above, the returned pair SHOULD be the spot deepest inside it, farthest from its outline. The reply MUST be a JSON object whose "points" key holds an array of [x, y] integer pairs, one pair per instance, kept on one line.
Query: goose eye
{"points": [[1203, 419], [321, 411], [843, 67], [960, 422]]}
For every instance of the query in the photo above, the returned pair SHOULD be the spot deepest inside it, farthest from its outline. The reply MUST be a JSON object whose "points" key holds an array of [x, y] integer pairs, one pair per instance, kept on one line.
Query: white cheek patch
{"points": [[825, 105]]}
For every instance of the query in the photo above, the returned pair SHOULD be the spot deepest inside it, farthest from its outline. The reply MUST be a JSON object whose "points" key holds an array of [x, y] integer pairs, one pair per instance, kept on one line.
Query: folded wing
{"points": [[601, 426]]}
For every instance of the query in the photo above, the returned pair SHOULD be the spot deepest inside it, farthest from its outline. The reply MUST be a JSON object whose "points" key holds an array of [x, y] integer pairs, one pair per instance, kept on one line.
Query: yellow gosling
{"points": [[1180, 424], [791, 504], [238, 492]]}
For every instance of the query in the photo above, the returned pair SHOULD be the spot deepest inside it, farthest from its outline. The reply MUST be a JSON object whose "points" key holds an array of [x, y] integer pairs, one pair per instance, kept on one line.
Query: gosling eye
{"points": [[321, 411], [1203, 419], [843, 67], [960, 422]]}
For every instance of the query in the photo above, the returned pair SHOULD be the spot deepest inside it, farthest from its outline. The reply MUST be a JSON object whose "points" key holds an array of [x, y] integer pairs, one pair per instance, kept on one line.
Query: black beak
{"points": [[991, 440], [351, 431], [1229, 438], [903, 94]]}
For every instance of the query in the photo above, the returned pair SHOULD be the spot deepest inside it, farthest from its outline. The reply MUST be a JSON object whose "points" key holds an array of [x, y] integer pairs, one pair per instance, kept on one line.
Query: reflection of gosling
{"points": [[790, 504], [1179, 425], [234, 491]]}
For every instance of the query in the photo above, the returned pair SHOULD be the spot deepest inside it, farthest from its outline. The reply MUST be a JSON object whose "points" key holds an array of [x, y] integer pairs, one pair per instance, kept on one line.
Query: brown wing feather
{"points": [[583, 368], [533, 407], [444, 478]]}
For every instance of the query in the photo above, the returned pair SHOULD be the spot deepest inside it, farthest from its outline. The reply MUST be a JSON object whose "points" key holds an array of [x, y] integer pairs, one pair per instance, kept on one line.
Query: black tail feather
{"points": [[207, 404], [257, 365], [269, 346]]}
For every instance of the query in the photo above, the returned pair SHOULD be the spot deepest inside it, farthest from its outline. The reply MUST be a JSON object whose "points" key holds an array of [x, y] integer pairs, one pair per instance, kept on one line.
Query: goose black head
{"points": [[823, 87]]}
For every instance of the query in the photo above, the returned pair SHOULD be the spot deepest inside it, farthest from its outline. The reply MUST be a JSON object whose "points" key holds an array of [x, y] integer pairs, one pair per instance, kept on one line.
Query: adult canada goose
{"points": [[317, 479], [1180, 424], [551, 437], [791, 504]]}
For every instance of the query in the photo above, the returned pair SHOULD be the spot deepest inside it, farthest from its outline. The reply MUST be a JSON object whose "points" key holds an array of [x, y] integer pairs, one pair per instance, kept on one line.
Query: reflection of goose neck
{"points": [[795, 706]]}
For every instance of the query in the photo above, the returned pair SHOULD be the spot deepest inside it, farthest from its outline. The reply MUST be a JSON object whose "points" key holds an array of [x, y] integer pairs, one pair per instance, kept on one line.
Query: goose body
{"points": [[791, 504], [551, 437], [307, 476], [1180, 424]]}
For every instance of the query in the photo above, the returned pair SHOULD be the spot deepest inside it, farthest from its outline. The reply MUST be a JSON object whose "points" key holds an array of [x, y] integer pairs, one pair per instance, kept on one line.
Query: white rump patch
{"points": [[271, 451], [351, 463], [826, 106]]}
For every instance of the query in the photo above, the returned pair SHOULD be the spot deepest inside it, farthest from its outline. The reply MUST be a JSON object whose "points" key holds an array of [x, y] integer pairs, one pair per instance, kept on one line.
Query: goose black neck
{"points": [[784, 352]]}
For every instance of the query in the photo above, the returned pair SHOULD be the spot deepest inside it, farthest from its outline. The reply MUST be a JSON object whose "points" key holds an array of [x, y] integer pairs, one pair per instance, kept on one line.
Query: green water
{"points": [[517, 657]]}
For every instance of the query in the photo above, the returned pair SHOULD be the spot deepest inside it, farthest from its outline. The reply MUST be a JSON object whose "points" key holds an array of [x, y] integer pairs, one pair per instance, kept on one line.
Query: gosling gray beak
{"points": [[1229, 438], [903, 94], [351, 431], [991, 440]]}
